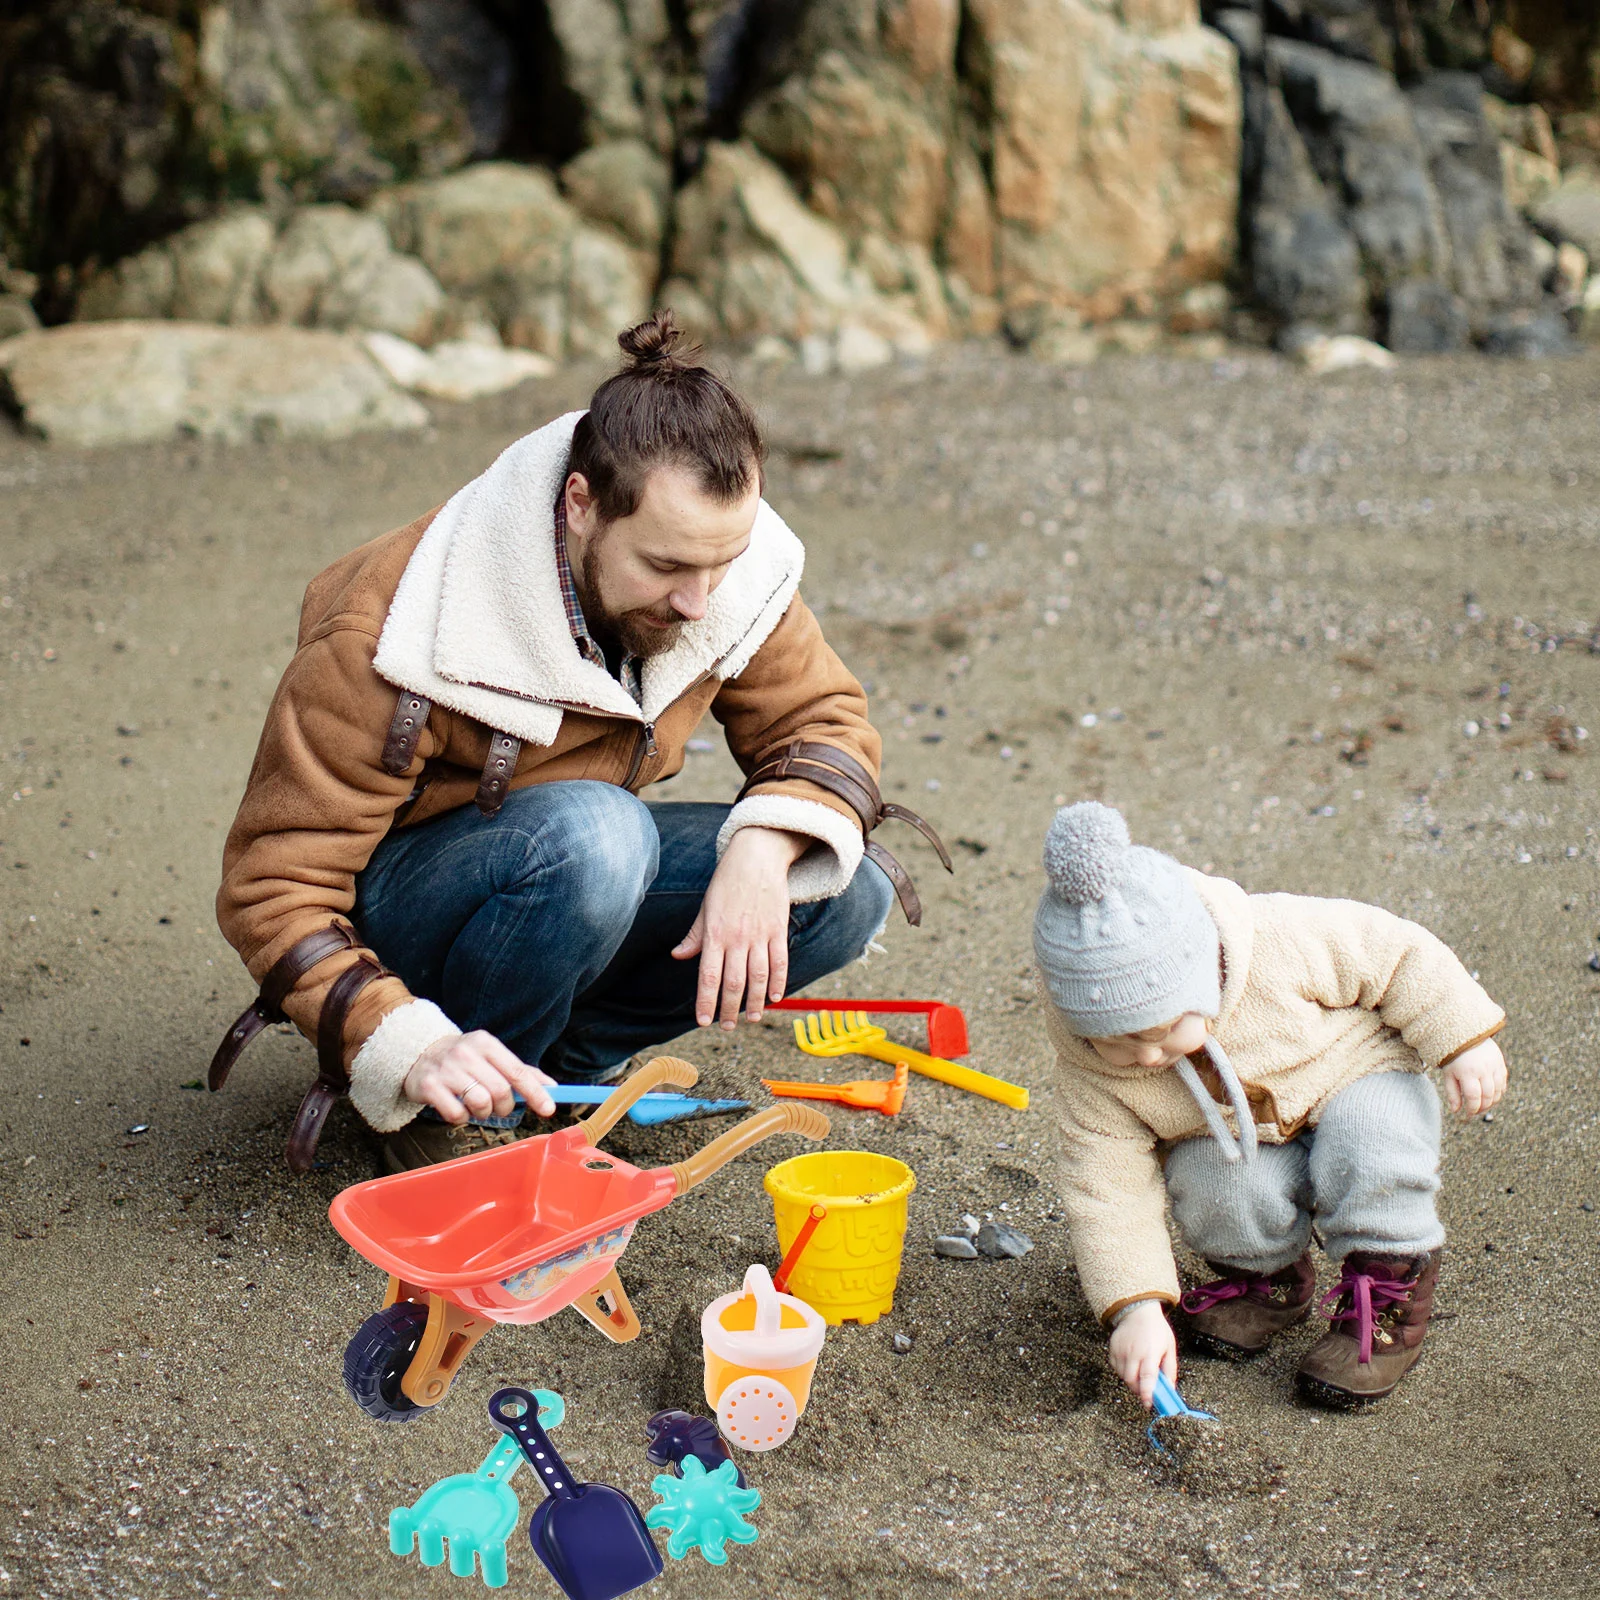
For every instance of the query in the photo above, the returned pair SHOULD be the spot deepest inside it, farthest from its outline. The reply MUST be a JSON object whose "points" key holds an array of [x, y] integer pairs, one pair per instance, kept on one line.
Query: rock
{"points": [[400, 297], [102, 383], [1572, 212], [216, 267], [454, 369], [1589, 311], [857, 349], [1115, 148], [325, 253], [1425, 318], [1528, 178], [771, 351], [1355, 189], [970, 1224], [1001, 1243], [333, 102], [857, 139], [208, 272], [1066, 344], [96, 130], [1321, 354], [1129, 336], [1202, 309], [612, 52], [1528, 335], [499, 235], [463, 50], [1570, 275], [137, 288], [624, 185], [16, 316], [902, 1344], [608, 290], [957, 1247]]}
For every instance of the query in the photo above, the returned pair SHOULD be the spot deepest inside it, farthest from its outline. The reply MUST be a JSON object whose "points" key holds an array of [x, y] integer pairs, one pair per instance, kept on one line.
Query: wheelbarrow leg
{"points": [[619, 1324], [447, 1341]]}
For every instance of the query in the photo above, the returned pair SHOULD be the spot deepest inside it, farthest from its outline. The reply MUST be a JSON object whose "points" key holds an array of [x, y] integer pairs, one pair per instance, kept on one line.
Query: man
{"points": [[543, 646]]}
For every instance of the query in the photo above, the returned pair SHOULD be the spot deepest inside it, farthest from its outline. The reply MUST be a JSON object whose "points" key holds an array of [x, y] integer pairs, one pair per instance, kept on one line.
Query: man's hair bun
{"points": [[1085, 851], [658, 345]]}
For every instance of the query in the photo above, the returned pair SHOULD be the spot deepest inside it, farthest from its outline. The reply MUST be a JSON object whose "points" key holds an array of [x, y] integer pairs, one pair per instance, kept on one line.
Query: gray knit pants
{"points": [[1368, 1172]]}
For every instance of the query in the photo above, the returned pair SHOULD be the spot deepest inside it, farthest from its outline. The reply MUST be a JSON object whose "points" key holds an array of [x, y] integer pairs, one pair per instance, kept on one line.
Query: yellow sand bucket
{"points": [[849, 1269], [761, 1349]]}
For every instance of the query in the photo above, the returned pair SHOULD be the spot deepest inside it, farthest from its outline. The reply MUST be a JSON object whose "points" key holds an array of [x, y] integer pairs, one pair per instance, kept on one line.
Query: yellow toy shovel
{"points": [[846, 1033]]}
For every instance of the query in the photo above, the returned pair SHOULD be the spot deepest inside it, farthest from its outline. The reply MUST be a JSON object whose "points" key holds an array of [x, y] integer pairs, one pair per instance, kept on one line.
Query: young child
{"points": [[1258, 1060]]}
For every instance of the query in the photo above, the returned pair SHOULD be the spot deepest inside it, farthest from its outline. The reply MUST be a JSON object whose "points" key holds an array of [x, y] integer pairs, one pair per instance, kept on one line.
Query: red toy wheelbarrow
{"points": [[513, 1235]]}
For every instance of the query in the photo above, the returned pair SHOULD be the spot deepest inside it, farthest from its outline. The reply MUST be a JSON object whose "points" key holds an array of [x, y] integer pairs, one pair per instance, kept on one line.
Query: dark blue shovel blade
{"points": [[595, 1544]]}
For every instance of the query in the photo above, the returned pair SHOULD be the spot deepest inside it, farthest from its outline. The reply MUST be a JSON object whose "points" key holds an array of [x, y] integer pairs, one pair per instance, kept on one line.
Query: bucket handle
{"points": [[664, 1069], [793, 1117], [769, 1309]]}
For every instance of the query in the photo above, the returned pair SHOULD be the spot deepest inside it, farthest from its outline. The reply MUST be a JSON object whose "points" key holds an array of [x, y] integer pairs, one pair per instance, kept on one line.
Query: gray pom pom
{"points": [[1084, 851]]}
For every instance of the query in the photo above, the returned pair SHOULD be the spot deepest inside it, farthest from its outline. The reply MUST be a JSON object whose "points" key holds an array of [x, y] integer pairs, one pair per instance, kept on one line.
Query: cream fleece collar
{"points": [[477, 624]]}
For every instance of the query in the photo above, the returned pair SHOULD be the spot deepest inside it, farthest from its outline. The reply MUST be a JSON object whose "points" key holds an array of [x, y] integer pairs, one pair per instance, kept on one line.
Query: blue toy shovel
{"points": [[1167, 1403], [589, 1536], [475, 1511], [649, 1110]]}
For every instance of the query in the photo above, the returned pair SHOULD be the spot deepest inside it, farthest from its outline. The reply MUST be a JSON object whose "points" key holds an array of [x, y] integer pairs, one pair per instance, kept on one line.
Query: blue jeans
{"points": [[551, 924]]}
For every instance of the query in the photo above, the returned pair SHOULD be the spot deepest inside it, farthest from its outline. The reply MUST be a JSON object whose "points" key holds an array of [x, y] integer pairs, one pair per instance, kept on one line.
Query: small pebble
{"points": [[955, 1246], [140, 1127], [1594, 962], [1583, 1205], [995, 1239], [902, 1344], [970, 1224]]}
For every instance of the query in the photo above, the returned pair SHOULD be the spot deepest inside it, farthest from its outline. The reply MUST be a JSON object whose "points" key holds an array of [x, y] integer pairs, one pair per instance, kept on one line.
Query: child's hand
{"points": [[474, 1075], [1476, 1079], [1141, 1346]]}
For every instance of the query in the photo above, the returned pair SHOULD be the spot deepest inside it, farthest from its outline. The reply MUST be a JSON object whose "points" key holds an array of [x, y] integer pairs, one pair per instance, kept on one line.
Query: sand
{"points": [[1259, 611]]}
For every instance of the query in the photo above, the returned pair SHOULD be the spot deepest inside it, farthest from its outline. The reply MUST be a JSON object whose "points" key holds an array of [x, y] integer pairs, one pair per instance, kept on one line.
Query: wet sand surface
{"points": [[1328, 636]]}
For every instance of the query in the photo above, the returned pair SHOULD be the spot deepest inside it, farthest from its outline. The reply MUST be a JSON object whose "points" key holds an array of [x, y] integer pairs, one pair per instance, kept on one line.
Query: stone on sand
{"points": [[105, 383]]}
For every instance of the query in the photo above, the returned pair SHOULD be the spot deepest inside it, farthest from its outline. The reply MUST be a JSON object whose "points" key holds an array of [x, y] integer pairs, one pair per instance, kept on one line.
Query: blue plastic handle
{"points": [[1169, 1403]]}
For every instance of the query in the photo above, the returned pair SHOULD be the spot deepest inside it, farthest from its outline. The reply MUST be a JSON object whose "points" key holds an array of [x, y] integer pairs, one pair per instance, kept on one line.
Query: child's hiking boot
{"points": [[1239, 1314], [1380, 1311]]}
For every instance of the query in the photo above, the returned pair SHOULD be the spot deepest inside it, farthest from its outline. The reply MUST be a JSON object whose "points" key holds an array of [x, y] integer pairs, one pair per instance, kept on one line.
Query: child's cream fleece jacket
{"points": [[1315, 994]]}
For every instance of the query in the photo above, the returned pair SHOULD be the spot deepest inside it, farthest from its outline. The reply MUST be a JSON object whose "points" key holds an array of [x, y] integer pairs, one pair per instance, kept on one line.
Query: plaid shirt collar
{"points": [[628, 671]]}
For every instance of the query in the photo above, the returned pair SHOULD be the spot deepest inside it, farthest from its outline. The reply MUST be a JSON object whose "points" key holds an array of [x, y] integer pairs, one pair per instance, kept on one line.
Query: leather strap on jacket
{"points": [[267, 1007], [405, 729], [498, 767], [843, 776], [332, 1080]]}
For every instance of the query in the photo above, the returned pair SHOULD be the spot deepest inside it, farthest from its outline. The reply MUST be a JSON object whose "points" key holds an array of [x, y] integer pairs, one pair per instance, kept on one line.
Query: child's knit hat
{"points": [[1123, 938]]}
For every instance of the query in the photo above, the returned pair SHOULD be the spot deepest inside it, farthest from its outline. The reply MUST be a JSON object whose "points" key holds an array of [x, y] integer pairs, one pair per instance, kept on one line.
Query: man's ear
{"points": [[580, 505]]}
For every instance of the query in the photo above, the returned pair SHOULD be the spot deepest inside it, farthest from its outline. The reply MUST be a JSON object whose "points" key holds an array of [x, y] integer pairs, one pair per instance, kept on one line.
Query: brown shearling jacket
{"points": [[320, 797]]}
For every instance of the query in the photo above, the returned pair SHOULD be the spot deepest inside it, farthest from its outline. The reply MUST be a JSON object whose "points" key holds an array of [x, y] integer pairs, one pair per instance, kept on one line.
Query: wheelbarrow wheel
{"points": [[376, 1359]]}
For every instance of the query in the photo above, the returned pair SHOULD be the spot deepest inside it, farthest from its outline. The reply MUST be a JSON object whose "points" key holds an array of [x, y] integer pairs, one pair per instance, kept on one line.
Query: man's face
{"points": [[642, 577]]}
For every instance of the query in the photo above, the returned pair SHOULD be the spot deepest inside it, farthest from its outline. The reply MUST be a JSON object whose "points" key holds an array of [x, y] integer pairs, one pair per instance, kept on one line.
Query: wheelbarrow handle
{"points": [[664, 1069], [807, 1121]]}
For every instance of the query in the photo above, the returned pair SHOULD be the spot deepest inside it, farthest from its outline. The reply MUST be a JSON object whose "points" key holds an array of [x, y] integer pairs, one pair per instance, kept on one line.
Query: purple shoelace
{"points": [[1206, 1295], [1369, 1295]]}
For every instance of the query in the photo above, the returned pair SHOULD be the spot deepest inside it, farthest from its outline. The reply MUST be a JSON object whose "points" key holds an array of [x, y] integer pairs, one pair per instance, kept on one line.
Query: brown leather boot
{"points": [[1239, 1314], [1381, 1307]]}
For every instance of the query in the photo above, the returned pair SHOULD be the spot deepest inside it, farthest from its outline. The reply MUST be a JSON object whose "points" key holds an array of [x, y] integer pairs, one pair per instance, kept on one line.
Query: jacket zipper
{"points": [[644, 748]]}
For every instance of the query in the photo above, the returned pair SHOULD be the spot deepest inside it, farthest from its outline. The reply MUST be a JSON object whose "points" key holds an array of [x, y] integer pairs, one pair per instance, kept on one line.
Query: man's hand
{"points": [[742, 932], [1141, 1346], [1476, 1079], [474, 1075]]}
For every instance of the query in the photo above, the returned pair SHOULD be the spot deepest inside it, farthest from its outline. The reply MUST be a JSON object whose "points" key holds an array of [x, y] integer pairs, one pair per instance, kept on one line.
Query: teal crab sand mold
{"points": [[703, 1510], [474, 1511]]}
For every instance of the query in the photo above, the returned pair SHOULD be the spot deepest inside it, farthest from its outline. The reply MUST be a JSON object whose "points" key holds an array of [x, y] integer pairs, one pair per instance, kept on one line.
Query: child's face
{"points": [[1164, 1046]]}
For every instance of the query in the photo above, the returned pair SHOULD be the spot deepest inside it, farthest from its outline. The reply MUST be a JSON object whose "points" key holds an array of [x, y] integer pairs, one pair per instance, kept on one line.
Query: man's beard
{"points": [[628, 630]]}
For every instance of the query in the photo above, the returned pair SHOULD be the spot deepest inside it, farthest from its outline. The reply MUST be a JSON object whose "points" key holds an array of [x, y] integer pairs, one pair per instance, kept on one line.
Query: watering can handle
{"points": [[791, 1118], [664, 1069], [769, 1310], [532, 1440]]}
